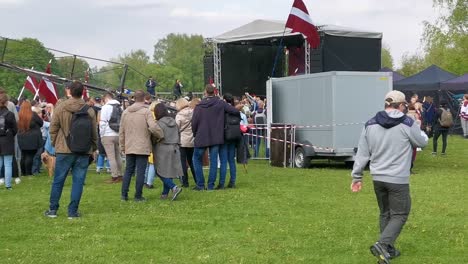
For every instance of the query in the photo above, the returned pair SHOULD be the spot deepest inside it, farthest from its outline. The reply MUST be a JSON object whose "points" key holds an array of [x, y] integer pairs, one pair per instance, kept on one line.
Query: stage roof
{"points": [[262, 29]]}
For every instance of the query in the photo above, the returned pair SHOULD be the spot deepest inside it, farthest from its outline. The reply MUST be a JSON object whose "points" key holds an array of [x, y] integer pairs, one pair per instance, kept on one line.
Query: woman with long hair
{"points": [[29, 136], [184, 122]]}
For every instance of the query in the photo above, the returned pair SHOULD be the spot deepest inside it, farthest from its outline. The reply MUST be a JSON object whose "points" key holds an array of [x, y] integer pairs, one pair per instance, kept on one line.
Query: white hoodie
{"points": [[106, 112]]}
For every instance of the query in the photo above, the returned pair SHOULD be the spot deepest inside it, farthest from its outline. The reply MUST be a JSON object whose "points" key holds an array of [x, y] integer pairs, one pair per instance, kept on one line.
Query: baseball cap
{"points": [[395, 97]]}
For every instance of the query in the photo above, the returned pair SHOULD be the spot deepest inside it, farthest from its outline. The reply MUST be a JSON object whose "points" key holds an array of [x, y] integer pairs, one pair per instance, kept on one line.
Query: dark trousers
{"points": [[138, 163], [395, 204], [437, 133], [186, 156], [27, 157]]}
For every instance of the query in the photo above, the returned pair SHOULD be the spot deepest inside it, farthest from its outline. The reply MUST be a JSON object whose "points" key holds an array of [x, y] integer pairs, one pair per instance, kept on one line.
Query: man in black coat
{"points": [[177, 89], [208, 131], [150, 86]]}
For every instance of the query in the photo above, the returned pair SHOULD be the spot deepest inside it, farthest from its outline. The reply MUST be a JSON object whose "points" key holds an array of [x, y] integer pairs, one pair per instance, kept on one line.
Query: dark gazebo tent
{"points": [[396, 75], [456, 84], [426, 83], [426, 80]]}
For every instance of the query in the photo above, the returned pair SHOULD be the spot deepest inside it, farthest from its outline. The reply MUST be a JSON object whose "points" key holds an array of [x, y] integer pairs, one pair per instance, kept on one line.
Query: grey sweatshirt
{"points": [[387, 141]]}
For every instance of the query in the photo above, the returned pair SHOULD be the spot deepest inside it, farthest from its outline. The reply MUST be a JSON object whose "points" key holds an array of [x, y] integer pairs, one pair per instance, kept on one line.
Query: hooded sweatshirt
{"points": [[208, 121], [106, 113], [387, 141]]}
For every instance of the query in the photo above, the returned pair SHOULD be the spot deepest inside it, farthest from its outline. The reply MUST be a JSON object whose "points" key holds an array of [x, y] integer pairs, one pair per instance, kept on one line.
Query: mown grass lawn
{"points": [[275, 215]]}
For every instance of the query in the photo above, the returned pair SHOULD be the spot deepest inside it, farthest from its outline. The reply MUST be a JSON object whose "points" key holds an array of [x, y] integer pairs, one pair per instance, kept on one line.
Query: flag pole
{"points": [[22, 89], [280, 46], [21, 93]]}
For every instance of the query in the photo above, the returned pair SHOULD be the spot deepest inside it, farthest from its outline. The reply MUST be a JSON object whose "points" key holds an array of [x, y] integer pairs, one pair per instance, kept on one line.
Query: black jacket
{"points": [[32, 139], [7, 143], [208, 121]]}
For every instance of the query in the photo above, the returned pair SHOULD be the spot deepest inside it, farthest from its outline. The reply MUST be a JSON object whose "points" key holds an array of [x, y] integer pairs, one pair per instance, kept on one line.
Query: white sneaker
{"points": [[2, 181], [17, 180]]}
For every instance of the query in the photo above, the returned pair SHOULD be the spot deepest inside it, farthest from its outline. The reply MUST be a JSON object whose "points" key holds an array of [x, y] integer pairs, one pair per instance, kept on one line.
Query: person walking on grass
{"points": [[166, 153], [137, 125], [387, 142], [73, 133], [442, 123]]}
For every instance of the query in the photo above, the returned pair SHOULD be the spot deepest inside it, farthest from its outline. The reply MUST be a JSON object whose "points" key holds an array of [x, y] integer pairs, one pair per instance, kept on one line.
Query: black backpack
{"points": [[114, 121], [232, 130], [80, 136], [3, 129]]}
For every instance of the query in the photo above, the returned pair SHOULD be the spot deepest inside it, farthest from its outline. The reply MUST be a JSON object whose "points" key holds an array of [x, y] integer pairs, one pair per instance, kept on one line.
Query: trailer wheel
{"points": [[301, 160]]}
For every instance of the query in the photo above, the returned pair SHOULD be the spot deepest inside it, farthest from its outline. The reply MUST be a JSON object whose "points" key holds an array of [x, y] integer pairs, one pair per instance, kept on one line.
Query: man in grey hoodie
{"points": [[387, 142]]}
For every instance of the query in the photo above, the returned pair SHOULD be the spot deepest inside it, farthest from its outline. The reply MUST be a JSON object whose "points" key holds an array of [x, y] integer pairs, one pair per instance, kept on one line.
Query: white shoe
{"points": [[2, 181], [17, 180]]}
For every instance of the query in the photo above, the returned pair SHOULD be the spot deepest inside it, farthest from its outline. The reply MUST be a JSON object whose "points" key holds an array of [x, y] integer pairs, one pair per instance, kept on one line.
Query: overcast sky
{"points": [[107, 28]]}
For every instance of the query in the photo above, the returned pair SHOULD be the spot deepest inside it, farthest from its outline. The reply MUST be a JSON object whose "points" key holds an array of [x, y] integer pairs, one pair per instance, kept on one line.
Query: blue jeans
{"points": [[227, 154], [138, 163], [150, 173], [7, 161], [37, 162], [100, 162], [257, 142], [78, 165], [168, 184], [198, 165]]}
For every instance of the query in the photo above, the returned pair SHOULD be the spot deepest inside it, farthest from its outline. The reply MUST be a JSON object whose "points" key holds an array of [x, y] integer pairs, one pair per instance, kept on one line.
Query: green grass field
{"points": [[275, 215]]}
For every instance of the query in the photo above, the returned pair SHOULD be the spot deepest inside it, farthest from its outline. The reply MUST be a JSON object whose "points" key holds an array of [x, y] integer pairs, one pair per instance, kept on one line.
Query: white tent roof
{"points": [[261, 29]]}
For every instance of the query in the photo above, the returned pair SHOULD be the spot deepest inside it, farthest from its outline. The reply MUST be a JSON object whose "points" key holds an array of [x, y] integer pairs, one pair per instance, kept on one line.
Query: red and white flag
{"points": [[300, 21], [31, 84], [47, 88], [85, 90]]}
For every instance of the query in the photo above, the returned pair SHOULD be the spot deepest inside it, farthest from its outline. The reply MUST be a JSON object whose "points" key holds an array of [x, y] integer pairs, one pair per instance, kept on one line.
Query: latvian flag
{"points": [[47, 88], [31, 84], [300, 21]]}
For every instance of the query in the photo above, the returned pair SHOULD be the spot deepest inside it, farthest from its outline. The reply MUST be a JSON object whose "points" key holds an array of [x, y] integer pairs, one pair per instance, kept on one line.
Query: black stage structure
{"points": [[243, 58]]}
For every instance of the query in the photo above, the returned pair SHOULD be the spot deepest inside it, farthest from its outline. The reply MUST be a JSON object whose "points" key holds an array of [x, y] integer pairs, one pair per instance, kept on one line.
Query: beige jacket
{"points": [[137, 125], [184, 122], [61, 122]]}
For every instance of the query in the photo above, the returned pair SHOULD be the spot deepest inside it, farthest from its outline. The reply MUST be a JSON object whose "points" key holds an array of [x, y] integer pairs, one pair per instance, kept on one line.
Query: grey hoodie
{"points": [[387, 141]]}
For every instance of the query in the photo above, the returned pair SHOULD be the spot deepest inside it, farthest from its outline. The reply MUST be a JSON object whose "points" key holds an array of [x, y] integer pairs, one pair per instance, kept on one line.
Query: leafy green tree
{"points": [[65, 65], [183, 52], [387, 59], [27, 52], [446, 40], [412, 64]]}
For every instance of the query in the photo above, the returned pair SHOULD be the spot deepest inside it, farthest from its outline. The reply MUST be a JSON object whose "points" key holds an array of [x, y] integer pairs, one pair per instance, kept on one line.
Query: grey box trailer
{"points": [[328, 109]]}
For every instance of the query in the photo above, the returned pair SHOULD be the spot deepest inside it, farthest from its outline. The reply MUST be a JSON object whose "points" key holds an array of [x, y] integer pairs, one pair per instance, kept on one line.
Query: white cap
{"points": [[395, 97]]}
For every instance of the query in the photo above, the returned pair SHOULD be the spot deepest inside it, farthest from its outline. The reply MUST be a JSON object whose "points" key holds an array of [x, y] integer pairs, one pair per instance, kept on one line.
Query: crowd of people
{"points": [[155, 139]]}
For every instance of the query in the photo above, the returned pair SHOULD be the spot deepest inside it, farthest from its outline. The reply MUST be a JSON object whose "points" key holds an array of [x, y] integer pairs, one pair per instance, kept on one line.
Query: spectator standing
{"points": [[8, 130], [151, 86], [29, 136], [227, 152], [464, 115], [207, 127], [386, 142], [177, 90], [66, 160], [110, 137], [166, 153], [136, 128], [443, 122], [429, 111], [184, 122]]}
